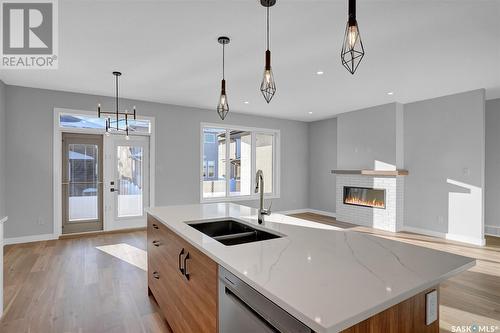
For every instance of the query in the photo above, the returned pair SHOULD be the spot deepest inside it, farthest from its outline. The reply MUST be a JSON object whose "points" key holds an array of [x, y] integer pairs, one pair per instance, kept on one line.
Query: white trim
{"points": [[276, 162], [322, 212], [293, 211], [4, 219], [448, 236], [307, 210], [29, 239], [57, 156], [493, 230], [424, 232]]}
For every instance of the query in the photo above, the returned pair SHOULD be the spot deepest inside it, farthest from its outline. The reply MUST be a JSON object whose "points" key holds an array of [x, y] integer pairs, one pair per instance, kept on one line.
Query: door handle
{"points": [[155, 226], [156, 243], [180, 262], [186, 274]]}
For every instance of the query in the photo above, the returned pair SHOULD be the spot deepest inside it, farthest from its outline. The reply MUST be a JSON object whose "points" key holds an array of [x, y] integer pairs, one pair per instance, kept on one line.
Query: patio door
{"points": [[127, 181], [82, 172]]}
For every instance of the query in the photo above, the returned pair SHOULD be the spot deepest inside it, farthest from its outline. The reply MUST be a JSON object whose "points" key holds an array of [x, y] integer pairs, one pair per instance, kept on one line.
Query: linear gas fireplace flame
{"points": [[364, 196]]}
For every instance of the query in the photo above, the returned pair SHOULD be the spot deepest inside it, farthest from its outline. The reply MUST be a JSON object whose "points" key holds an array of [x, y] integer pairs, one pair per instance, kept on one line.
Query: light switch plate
{"points": [[431, 307]]}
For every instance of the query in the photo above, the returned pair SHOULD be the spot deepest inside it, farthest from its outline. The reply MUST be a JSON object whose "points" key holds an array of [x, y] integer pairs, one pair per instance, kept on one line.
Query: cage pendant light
{"points": [[352, 48], [113, 125], [268, 85], [223, 107]]}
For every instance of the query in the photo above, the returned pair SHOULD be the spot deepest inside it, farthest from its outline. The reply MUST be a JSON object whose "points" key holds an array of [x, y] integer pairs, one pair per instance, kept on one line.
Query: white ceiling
{"points": [[168, 52]]}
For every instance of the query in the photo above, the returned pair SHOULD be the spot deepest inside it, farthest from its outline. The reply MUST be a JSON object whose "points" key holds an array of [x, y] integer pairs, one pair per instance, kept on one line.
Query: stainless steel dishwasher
{"points": [[244, 310]]}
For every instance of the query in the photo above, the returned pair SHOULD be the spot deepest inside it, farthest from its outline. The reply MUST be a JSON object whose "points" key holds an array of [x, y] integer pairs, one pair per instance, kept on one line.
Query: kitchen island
{"points": [[329, 279]]}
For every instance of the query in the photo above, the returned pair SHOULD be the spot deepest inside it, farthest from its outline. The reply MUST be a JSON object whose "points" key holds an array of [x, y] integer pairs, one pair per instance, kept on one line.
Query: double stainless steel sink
{"points": [[231, 232]]}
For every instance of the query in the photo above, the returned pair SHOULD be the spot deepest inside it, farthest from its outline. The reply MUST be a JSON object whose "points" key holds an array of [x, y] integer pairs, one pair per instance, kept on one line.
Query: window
{"points": [[211, 169], [230, 158], [209, 138], [90, 122]]}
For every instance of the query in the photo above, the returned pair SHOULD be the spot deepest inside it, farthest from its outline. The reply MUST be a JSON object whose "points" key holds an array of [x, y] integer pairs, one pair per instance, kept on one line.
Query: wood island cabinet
{"points": [[182, 280], [184, 283]]}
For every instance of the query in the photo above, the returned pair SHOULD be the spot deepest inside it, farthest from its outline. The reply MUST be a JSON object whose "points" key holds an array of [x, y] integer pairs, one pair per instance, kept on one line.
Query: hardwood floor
{"points": [[472, 297], [87, 284], [98, 284]]}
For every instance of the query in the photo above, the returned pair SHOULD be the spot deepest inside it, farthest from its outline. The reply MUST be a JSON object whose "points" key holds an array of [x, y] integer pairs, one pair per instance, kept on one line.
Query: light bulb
{"points": [[268, 86], [267, 75], [352, 35]]}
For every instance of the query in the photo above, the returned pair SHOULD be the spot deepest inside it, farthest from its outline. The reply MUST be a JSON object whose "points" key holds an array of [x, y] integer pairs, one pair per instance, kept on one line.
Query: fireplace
{"points": [[364, 196]]}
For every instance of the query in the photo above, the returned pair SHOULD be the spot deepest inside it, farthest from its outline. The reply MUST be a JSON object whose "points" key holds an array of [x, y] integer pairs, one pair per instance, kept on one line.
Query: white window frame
{"points": [[276, 162]]}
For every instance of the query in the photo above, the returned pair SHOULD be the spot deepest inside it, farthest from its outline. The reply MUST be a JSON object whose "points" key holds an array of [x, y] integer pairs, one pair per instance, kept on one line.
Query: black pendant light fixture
{"points": [[352, 49], [268, 86], [223, 107], [114, 125]]}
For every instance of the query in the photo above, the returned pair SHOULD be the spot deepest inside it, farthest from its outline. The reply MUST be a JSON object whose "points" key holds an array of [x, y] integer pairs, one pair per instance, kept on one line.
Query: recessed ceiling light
{"points": [[320, 72], [390, 93], [310, 112], [246, 102]]}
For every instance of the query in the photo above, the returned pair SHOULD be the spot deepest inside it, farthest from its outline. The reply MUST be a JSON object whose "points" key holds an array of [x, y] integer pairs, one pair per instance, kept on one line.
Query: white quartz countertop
{"points": [[328, 278]]}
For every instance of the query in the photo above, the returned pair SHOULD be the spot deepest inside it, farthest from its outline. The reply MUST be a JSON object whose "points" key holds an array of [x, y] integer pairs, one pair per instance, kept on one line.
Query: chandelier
{"points": [[114, 119]]}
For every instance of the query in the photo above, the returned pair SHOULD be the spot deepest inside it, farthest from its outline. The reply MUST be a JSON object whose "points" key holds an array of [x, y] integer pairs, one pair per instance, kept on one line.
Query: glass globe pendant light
{"points": [[268, 85], [223, 107]]}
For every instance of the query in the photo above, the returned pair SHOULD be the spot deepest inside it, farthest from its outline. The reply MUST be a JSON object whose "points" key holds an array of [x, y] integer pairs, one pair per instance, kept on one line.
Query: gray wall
{"points": [[369, 135], [30, 158], [444, 153], [322, 159], [492, 206], [3, 137]]}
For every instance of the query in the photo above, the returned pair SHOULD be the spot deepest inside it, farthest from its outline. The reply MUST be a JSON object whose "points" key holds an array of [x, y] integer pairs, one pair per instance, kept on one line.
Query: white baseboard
{"points": [[492, 230], [29, 239], [293, 211], [322, 212], [424, 232], [453, 237], [306, 210]]}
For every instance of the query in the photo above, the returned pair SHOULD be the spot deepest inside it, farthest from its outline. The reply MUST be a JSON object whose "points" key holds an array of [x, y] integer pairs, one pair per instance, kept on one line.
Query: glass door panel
{"points": [[82, 182], [130, 181], [127, 181]]}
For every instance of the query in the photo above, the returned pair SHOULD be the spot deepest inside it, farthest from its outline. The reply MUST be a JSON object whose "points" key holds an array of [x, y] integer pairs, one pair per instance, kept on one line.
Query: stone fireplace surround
{"points": [[390, 218]]}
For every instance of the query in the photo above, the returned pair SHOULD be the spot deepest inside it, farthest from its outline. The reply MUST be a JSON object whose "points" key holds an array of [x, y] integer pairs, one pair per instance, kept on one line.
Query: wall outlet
{"points": [[466, 171], [431, 307], [40, 221]]}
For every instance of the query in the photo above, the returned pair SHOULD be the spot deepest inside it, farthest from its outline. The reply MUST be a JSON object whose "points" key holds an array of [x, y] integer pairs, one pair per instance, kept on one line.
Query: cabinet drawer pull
{"points": [[186, 274], [180, 261], [156, 275], [155, 226], [156, 243]]}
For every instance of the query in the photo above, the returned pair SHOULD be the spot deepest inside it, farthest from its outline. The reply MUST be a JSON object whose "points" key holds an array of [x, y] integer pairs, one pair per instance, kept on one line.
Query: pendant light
{"points": [[268, 86], [114, 125], [223, 107], [352, 49]]}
